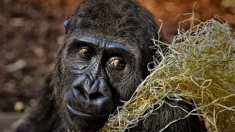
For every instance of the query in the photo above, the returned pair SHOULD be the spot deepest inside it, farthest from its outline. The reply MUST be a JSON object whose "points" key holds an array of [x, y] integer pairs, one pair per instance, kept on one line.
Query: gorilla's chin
{"points": [[82, 121], [85, 122]]}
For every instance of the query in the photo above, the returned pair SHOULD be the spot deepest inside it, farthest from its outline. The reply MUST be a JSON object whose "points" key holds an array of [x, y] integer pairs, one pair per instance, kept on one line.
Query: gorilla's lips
{"points": [[80, 113]]}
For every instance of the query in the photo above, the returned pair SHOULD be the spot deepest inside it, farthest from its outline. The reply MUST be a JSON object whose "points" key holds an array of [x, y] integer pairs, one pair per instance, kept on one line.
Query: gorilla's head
{"points": [[102, 61]]}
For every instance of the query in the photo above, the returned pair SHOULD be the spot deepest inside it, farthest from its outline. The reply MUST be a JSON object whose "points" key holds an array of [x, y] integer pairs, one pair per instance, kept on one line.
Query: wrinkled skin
{"points": [[102, 61]]}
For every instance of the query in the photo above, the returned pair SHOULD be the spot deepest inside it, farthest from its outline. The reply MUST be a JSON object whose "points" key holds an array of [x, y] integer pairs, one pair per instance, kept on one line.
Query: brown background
{"points": [[31, 32]]}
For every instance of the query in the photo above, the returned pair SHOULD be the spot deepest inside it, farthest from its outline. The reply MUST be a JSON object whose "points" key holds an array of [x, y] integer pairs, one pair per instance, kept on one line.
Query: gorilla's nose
{"points": [[97, 92], [92, 93]]}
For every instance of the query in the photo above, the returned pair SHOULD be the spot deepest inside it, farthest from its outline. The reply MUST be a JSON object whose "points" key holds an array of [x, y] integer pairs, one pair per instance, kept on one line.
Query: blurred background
{"points": [[31, 32]]}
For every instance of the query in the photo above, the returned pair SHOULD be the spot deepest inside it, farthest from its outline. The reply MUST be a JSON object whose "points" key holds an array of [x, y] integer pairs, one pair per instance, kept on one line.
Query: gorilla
{"points": [[103, 59]]}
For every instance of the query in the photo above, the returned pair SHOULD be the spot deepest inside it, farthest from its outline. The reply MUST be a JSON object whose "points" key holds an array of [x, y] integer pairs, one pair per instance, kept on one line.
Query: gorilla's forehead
{"points": [[118, 19], [102, 42]]}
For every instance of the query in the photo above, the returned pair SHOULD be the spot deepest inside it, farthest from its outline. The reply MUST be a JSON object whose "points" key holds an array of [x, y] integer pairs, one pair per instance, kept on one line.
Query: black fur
{"points": [[103, 22]]}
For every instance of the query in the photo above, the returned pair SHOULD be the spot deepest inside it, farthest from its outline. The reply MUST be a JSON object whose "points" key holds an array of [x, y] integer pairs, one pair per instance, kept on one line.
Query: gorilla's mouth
{"points": [[79, 113], [84, 115]]}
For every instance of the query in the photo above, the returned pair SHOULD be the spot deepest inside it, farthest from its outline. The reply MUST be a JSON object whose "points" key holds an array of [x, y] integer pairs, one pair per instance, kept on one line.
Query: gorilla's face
{"points": [[103, 73], [102, 61]]}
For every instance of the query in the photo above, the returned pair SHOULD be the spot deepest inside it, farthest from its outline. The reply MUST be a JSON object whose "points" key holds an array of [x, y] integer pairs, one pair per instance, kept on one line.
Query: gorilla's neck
{"points": [[44, 117]]}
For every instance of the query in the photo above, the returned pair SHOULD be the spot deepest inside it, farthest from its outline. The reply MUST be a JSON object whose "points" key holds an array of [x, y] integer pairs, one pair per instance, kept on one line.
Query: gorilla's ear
{"points": [[66, 24]]}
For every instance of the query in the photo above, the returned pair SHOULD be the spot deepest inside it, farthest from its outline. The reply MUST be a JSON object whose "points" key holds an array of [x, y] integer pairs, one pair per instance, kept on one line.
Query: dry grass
{"points": [[199, 68]]}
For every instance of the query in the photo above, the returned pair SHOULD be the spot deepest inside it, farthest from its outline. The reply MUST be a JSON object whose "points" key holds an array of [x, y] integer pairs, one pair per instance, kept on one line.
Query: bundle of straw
{"points": [[199, 68]]}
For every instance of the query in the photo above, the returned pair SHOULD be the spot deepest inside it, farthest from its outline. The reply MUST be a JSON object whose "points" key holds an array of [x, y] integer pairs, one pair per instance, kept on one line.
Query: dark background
{"points": [[31, 32]]}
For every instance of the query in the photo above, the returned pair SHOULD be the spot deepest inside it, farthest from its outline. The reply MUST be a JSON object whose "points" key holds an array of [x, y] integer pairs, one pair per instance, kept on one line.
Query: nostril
{"points": [[79, 91], [95, 96]]}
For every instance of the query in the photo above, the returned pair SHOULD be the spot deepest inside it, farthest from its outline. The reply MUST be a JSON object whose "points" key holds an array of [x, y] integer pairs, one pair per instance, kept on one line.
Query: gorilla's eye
{"points": [[86, 53], [117, 63]]}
